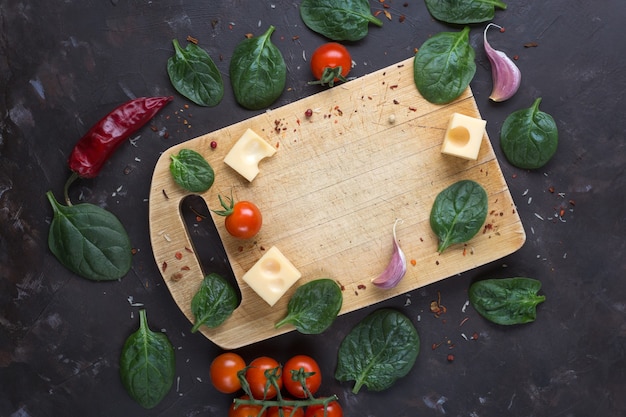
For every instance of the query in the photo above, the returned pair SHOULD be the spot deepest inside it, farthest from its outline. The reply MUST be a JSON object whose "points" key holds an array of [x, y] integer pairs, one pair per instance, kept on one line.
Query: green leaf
{"points": [[507, 301], [463, 11], [339, 20], [191, 171], [314, 306], [258, 72], [379, 350], [194, 75], [147, 365], [529, 137], [89, 241], [444, 66], [214, 302], [458, 213]]}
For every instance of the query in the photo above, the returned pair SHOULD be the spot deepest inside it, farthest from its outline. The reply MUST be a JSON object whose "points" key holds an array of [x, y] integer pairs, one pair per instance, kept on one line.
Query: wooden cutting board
{"points": [[370, 154]]}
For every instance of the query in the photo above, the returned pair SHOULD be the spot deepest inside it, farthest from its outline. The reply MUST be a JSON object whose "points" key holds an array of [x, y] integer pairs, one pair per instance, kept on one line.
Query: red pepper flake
{"points": [[474, 336], [561, 212], [435, 346], [551, 189], [165, 194], [377, 12], [361, 287], [213, 144], [515, 57], [178, 255], [450, 358], [463, 321], [134, 251], [502, 30], [188, 249], [295, 38], [249, 35], [402, 18], [185, 268], [413, 262], [436, 307], [176, 276], [393, 87], [192, 39], [240, 248], [436, 262], [531, 45], [572, 202], [163, 266], [395, 101], [412, 109], [514, 176]]}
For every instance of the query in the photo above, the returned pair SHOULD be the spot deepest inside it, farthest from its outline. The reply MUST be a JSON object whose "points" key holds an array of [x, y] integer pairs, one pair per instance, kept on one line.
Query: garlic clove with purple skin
{"points": [[505, 74], [396, 268]]}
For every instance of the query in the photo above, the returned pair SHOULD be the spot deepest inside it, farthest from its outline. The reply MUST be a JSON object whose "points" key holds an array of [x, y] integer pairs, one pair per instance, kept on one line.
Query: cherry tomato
{"points": [[333, 410], [287, 410], [330, 63], [245, 410], [311, 371], [255, 375], [224, 370], [243, 218]]}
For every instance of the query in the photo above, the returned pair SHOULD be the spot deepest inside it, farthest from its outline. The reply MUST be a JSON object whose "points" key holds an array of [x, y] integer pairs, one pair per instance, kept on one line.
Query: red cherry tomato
{"points": [[333, 410], [224, 370], [255, 375], [330, 63], [287, 412], [308, 368], [243, 218], [245, 410]]}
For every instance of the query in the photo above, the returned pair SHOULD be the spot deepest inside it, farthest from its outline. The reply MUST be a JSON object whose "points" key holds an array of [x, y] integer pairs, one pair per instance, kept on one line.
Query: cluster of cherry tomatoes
{"points": [[225, 376]]}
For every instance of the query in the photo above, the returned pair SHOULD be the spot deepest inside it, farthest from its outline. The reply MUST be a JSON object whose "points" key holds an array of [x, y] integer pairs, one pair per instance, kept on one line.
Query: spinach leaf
{"points": [[191, 171], [147, 365], [194, 75], [529, 137], [214, 302], [507, 301], [444, 66], [339, 20], [257, 72], [89, 241], [379, 350], [314, 306], [463, 11], [458, 213]]}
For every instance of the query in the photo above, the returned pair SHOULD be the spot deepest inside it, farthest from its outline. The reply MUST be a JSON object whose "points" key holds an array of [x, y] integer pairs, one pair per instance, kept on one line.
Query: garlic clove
{"points": [[505, 74], [396, 268]]}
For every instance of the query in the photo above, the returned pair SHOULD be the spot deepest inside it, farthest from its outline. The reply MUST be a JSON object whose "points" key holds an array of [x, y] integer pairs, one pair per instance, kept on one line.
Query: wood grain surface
{"points": [[370, 154]]}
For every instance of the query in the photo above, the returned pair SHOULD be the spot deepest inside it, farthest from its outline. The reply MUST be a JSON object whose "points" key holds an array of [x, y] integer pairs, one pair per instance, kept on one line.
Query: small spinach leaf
{"points": [[191, 171], [339, 20], [507, 301], [147, 365], [529, 137], [444, 66], [194, 75], [463, 11], [314, 306], [458, 213], [258, 72], [377, 351], [214, 302], [89, 241]]}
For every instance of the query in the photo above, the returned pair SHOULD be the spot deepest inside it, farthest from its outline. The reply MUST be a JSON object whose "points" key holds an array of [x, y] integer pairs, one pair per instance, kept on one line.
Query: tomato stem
{"points": [[66, 187], [329, 76], [228, 208]]}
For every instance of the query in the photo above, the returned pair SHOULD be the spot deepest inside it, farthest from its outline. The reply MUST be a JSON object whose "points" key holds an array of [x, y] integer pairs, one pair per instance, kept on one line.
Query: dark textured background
{"points": [[65, 64]]}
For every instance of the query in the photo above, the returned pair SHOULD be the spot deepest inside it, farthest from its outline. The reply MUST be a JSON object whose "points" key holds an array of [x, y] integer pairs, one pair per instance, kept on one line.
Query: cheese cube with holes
{"points": [[463, 136], [272, 276], [247, 152]]}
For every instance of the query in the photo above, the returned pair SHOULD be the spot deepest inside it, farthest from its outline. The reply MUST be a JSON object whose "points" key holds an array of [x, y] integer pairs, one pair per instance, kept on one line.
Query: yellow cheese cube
{"points": [[463, 136], [271, 276], [247, 152]]}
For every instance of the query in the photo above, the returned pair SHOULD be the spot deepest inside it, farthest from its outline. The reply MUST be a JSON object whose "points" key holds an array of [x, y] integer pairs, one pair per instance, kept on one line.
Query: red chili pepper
{"points": [[95, 147]]}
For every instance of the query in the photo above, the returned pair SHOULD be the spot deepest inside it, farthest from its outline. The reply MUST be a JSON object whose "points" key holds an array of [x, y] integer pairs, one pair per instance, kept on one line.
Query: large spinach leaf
{"points": [[191, 171], [339, 20], [463, 11], [458, 213], [379, 350], [89, 241], [214, 302], [529, 137], [444, 66], [147, 365], [508, 300], [314, 306], [258, 72], [194, 75]]}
